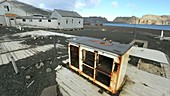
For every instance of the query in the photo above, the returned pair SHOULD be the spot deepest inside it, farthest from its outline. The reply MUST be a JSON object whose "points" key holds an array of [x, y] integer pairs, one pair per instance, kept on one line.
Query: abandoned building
{"points": [[37, 22], [10, 9], [102, 62], [67, 19], [15, 13]]}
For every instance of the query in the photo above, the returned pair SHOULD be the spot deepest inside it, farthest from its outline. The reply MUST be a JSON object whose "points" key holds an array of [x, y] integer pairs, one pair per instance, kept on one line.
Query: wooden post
{"points": [[14, 65]]}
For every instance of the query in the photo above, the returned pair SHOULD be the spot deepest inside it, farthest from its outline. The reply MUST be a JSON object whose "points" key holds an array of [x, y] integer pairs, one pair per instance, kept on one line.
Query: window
{"points": [[72, 20], [74, 54], [105, 64], [103, 78], [40, 20], [49, 20], [88, 62], [24, 20], [6, 8], [12, 19], [116, 67], [79, 22], [58, 23], [88, 58], [66, 22]]}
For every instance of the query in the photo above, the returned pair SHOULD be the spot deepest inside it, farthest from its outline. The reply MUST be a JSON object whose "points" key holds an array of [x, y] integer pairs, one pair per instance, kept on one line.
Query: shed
{"points": [[67, 19], [102, 62]]}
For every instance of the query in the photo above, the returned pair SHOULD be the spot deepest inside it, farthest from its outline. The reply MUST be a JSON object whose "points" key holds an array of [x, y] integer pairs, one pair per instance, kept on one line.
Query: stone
{"points": [[38, 66], [48, 70], [28, 77], [22, 67], [41, 63]]}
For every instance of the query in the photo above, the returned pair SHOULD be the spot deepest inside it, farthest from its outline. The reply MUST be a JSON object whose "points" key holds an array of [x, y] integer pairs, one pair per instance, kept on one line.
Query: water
{"points": [[157, 27]]}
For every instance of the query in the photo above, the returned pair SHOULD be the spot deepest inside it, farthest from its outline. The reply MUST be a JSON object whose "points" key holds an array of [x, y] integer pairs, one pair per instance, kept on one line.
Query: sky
{"points": [[106, 8]]}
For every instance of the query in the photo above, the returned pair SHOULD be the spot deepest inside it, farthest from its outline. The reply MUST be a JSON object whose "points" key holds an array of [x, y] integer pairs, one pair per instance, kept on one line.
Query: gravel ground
{"points": [[126, 35], [32, 80]]}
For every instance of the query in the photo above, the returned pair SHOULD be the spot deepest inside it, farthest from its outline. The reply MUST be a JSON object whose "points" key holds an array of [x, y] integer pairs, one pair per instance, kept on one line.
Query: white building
{"points": [[13, 13], [37, 22], [10, 9], [2, 20], [68, 19]]}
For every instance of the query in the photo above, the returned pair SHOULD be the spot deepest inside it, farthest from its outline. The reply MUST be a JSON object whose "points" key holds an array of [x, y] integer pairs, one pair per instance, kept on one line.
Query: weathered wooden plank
{"points": [[5, 59], [72, 84], [141, 83]]}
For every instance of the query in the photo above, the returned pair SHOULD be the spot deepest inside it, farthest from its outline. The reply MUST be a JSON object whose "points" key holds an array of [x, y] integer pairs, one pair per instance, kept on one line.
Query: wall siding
{"points": [[36, 23], [2, 20], [12, 9], [70, 25]]}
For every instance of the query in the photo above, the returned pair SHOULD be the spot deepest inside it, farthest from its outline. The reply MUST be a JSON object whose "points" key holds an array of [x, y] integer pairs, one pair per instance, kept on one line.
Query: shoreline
{"points": [[144, 26]]}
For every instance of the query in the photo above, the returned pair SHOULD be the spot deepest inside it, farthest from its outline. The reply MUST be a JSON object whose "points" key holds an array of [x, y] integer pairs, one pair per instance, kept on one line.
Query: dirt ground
{"points": [[126, 35], [18, 85]]}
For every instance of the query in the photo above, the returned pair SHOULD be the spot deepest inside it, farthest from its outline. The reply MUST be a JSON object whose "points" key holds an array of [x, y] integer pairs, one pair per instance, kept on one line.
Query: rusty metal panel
{"points": [[10, 15]]}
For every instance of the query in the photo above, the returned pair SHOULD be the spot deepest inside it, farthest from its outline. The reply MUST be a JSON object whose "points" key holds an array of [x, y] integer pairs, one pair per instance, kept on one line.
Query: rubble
{"points": [[48, 70], [28, 77]]}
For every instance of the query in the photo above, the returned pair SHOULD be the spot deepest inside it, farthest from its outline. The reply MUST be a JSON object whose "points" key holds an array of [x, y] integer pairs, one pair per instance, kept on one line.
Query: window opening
{"points": [[74, 54]]}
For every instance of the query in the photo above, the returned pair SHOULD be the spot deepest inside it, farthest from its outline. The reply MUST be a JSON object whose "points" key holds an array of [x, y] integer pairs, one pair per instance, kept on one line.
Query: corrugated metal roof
{"points": [[65, 13], [113, 47], [30, 9]]}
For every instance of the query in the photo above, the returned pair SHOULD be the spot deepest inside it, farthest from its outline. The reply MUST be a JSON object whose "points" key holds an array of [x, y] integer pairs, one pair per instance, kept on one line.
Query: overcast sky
{"points": [[106, 8]]}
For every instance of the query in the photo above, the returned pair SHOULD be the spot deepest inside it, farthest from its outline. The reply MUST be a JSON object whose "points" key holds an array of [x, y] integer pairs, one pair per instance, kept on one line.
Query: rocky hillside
{"points": [[95, 20], [128, 20], [146, 19]]}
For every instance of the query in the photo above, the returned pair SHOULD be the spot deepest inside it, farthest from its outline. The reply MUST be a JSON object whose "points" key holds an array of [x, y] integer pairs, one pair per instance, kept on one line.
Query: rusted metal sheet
{"points": [[10, 15]]}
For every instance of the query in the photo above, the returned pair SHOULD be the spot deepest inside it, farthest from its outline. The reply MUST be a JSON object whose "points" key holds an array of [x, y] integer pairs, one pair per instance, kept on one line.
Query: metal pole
{"points": [[135, 30], [54, 41], [14, 65]]}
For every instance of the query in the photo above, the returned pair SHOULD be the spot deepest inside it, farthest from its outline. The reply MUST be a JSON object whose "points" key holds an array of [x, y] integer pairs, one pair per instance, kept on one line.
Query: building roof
{"points": [[30, 9], [65, 13], [113, 47]]}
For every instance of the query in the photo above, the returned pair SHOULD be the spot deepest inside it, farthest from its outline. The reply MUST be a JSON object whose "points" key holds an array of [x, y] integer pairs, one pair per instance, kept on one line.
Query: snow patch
{"points": [[43, 33]]}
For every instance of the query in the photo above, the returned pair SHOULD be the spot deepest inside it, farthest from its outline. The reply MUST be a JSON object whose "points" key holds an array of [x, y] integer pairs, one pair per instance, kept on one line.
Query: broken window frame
{"points": [[102, 74], [86, 52], [49, 20], [6, 7], [90, 67], [40, 20], [93, 74], [76, 65], [24, 20], [104, 70]]}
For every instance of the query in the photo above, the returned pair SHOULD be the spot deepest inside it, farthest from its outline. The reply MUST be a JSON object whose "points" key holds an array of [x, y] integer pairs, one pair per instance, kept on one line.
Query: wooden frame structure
{"points": [[102, 62]]}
